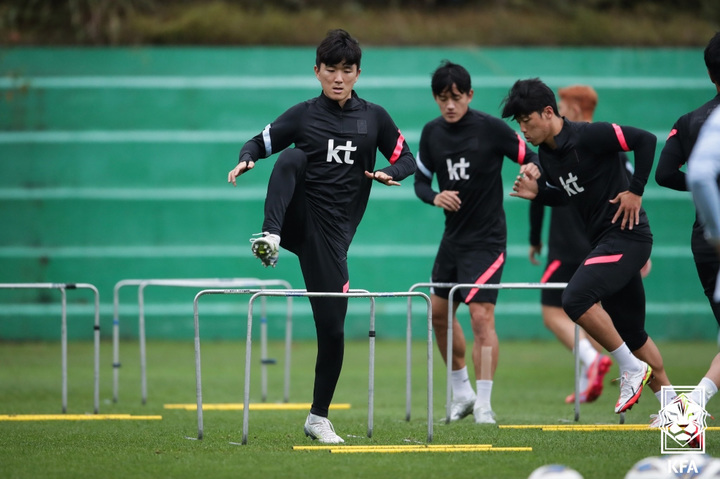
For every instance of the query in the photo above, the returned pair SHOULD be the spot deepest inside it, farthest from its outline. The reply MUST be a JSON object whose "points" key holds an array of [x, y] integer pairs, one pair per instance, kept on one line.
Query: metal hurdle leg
{"points": [[63, 349], [448, 397], [576, 352], [198, 368], [264, 360], [96, 335], [202, 283], [63, 333], [408, 343], [371, 370]]}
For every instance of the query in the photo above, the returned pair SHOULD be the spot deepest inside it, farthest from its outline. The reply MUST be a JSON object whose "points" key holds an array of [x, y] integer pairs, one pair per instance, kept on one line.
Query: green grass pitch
{"points": [[531, 383]]}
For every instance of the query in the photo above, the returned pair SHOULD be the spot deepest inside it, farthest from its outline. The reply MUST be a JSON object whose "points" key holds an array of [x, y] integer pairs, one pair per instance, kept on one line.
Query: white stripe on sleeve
{"points": [[266, 140]]}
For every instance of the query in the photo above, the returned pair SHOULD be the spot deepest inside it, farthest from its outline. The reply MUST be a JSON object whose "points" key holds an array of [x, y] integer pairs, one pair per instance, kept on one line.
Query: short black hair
{"points": [[447, 74], [338, 46], [527, 97], [712, 58]]}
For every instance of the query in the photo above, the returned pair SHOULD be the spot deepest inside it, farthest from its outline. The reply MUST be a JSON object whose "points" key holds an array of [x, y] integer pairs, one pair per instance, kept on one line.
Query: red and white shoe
{"points": [[631, 386], [595, 376]]}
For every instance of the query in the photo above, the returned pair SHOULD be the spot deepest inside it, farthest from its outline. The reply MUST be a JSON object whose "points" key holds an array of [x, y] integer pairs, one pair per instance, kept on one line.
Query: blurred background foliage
{"points": [[375, 22]]}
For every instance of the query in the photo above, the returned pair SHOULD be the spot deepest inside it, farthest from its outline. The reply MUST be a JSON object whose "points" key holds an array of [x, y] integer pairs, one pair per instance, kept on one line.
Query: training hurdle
{"points": [[458, 286], [450, 285], [142, 284], [302, 293], [63, 287], [198, 372]]}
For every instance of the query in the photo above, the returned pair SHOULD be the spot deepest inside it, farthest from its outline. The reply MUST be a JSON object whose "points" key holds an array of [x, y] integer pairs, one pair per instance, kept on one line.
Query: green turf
{"points": [[531, 383]]}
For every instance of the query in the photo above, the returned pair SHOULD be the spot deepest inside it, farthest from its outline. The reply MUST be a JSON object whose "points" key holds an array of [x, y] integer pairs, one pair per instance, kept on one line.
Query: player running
{"points": [[581, 168]]}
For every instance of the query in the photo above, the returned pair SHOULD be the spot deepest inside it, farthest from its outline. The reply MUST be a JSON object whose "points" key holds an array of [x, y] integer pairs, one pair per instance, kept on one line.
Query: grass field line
{"points": [[253, 406], [343, 450], [76, 417], [394, 449], [394, 446]]}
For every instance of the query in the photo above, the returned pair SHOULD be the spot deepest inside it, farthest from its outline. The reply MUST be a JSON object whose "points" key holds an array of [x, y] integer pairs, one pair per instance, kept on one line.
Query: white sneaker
{"points": [[484, 415], [266, 247], [631, 385], [461, 408], [320, 428]]}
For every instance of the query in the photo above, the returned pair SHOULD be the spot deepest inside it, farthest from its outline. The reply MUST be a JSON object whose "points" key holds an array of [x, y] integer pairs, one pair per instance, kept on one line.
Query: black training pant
{"points": [[323, 265]]}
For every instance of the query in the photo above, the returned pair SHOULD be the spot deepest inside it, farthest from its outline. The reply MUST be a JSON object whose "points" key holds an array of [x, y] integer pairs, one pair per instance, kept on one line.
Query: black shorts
{"points": [[463, 264], [556, 271], [606, 271]]}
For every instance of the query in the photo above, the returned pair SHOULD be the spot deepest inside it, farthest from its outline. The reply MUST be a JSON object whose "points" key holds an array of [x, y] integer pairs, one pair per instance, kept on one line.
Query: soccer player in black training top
{"points": [[317, 194], [568, 246], [581, 167], [465, 148], [675, 154]]}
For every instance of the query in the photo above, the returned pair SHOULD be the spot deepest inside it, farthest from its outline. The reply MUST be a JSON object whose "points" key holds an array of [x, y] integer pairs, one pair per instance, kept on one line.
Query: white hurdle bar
{"points": [[193, 283], [63, 332], [448, 397]]}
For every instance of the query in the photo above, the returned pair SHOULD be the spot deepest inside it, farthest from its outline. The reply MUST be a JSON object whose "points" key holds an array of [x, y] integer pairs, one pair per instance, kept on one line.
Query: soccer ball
{"points": [[555, 471], [650, 468]]}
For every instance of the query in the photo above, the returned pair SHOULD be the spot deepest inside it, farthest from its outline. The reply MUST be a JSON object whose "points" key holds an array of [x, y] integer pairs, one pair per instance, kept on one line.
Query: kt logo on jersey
{"points": [[570, 185], [333, 152], [457, 171]]}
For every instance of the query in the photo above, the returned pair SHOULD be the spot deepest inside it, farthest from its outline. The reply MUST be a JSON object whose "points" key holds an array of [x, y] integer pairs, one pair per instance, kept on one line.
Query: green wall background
{"points": [[113, 166]]}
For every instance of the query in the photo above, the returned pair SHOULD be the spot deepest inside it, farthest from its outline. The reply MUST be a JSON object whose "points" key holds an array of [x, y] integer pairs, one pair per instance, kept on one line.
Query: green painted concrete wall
{"points": [[113, 166]]}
